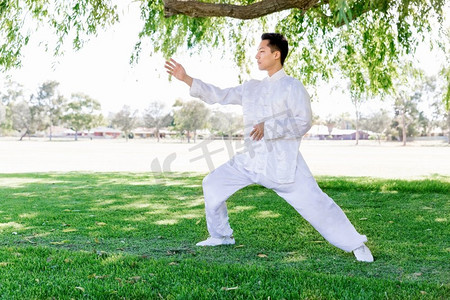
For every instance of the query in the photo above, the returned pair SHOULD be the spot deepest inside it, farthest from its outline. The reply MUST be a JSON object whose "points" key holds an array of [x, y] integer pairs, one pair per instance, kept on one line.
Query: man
{"points": [[277, 113]]}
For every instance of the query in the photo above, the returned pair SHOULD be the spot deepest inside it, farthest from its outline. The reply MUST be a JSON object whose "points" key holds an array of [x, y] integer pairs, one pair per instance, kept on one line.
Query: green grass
{"points": [[132, 236]]}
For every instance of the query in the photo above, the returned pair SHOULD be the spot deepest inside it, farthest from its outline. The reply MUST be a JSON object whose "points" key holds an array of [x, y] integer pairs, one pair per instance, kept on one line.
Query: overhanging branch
{"points": [[197, 9]]}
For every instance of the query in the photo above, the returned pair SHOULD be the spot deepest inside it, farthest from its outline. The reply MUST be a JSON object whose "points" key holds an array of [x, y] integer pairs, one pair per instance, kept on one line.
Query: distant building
{"points": [[321, 132], [59, 131], [144, 132], [317, 132], [103, 132]]}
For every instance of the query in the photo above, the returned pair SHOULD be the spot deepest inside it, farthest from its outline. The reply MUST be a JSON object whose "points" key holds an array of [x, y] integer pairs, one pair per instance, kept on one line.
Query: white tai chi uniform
{"points": [[283, 104]]}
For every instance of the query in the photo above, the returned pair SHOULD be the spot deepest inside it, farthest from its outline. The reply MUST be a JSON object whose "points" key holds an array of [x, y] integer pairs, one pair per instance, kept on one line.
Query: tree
{"points": [[436, 91], [344, 121], [406, 112], [357, 102], [125, 120], [423, 124], [355, 67], [330, 122], [319, 31], [441, 117], [25, 118], [83, 112], [19, 20], [358, 96], [446, 97], [2, 115], [316, 119], [21, 118], [407, 93], [155, 116], [378, 123], [445, 75], [50, 103], [191, 116], [10, 94], [225, 123]]}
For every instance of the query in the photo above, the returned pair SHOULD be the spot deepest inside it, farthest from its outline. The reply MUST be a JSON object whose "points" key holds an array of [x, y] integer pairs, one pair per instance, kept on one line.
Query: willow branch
{"points": [[197, 9]]}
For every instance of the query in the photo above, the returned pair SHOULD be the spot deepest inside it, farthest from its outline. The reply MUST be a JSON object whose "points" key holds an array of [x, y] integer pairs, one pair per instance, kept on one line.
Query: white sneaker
{"points": [[211, 241], [363, 254]]}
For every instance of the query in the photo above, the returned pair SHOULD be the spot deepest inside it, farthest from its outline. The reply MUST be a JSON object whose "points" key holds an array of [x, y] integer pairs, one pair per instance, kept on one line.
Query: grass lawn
{"points": [[132, 236]]}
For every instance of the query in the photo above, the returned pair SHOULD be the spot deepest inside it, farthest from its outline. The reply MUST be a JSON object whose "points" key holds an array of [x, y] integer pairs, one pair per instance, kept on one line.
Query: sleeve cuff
{"points": [[194, 91]]}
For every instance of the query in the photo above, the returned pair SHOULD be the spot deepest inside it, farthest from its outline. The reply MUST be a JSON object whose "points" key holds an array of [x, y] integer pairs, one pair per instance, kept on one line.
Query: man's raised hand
{"points": [[176, 70]]}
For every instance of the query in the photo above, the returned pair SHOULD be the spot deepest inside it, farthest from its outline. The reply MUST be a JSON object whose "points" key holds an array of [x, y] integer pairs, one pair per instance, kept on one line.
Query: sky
{"points": [[101, 69]]}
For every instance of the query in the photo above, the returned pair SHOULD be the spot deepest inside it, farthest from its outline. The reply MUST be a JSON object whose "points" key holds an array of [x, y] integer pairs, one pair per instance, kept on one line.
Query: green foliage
{"points": [[50, 104], [42, 110], [409, 88], [75, 20], [191, 116], [126, 120], [445, 72], [82, 112], [2, 115], [444, 88], [225, 123], [377, 32], [169, 34], [156, 116], [123, 235], [377, 122], [11, 93], [447, 92], [376, 35], [357, 39], [46, 108]]}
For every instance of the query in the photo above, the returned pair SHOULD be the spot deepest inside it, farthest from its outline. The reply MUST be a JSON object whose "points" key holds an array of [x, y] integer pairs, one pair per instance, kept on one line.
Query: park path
{"points": [[336, 158]]}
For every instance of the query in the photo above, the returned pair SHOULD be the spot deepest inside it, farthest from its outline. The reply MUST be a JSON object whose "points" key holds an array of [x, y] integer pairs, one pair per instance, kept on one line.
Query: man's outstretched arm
{"points": [[204, 91], [178, 71]]}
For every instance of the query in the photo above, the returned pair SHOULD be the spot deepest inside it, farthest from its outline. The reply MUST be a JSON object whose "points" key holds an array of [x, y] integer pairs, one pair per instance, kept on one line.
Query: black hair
{"points": [[277, 42]]}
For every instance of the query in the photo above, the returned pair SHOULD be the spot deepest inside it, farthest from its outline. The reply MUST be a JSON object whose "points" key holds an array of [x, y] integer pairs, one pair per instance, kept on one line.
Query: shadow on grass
{"points": [[157, 216]]}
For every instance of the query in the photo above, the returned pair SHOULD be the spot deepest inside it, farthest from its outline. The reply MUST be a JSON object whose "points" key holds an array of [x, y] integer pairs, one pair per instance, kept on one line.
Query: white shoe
{"points": [[363, 254], [211, 241]]}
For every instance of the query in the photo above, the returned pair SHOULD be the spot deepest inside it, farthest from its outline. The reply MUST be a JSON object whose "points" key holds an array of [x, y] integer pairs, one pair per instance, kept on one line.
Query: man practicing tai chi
{"points": [[277, 113]]}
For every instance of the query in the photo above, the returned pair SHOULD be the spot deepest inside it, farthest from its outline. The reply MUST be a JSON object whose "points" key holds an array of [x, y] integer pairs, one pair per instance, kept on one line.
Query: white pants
{"points": [[303, 194]]}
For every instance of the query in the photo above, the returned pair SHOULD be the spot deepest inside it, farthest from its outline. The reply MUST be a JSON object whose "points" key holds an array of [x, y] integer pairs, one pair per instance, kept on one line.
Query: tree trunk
{"points": [[195, 136], [157, 134], [21, 138], [51, 132], [76, 135], [448, 125], [188, 136], [403, 128], [330, 129], [357, 126]]}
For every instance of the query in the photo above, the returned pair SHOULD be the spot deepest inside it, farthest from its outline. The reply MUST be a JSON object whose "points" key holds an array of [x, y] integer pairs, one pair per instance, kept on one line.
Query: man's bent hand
{"points": [[176, 70], [257, 132]]}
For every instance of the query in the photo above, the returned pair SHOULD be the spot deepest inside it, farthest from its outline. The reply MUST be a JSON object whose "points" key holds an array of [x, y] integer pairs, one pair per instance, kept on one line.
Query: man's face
{"points": [[265, 58]]}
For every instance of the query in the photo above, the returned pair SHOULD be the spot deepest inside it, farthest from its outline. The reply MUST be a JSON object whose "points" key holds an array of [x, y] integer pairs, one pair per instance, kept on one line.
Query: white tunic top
{"points": [[280, 101]]}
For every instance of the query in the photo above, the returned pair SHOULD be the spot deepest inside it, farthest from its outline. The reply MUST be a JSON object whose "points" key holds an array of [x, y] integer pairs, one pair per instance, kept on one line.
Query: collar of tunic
{"points": [[278, 75]]}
